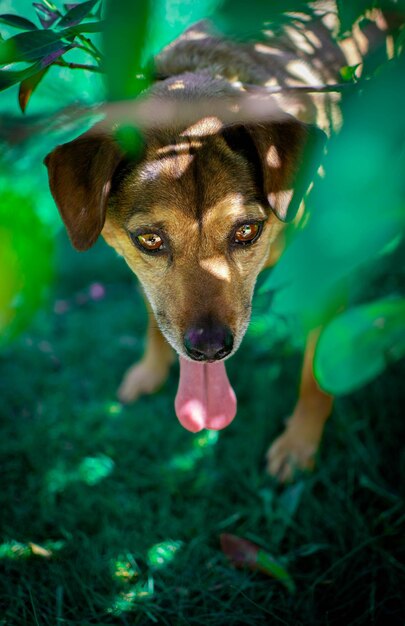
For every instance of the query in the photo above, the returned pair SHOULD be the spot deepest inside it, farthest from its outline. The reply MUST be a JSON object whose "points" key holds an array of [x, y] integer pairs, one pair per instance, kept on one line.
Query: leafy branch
{"points": [[43, 46]]}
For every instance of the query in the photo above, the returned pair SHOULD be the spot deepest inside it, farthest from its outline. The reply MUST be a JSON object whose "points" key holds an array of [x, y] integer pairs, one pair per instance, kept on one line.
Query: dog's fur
{"points": [[195, 183]]}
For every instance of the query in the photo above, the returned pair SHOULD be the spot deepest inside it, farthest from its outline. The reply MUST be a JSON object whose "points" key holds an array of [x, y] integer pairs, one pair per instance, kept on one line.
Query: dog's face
{"points": [[189, 221], [194, 218]]}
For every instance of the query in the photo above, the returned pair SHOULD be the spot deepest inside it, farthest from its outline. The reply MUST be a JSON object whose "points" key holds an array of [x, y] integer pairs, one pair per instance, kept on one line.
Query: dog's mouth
{"points": [[205, 398]]}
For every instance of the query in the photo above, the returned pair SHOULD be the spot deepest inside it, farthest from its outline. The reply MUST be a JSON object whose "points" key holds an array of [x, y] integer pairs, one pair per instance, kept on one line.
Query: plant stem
{"points": [[90, 47], [79, 66]]}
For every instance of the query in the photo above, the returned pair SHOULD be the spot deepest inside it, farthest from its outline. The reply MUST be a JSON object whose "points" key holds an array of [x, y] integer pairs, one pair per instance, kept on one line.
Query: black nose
{"points": [[208, 341]]}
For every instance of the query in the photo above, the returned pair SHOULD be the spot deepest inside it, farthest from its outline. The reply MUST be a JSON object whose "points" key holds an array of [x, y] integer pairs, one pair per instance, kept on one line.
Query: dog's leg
{"points": [[151, 371], [298, 444]]}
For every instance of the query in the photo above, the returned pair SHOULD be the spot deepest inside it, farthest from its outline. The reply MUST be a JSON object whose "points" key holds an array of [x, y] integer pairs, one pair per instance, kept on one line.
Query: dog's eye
{"points": [[148, 242], [247, 233]]}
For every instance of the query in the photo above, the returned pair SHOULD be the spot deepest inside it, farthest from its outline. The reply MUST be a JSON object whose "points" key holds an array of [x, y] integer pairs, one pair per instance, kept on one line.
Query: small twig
{"points": [[79, 66]]}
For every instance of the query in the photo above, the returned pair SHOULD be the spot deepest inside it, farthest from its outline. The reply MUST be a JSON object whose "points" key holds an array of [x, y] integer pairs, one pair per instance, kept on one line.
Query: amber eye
{"points": [[148, 242], [247, 233]]}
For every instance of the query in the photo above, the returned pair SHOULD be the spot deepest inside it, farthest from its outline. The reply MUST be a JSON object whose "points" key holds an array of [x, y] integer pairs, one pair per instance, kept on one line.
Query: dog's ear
{"points": [[80, 174], [285, 157]]}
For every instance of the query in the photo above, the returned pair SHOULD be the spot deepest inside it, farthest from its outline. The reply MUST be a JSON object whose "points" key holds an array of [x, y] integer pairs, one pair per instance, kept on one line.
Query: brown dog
{"points": [[200, 213]]}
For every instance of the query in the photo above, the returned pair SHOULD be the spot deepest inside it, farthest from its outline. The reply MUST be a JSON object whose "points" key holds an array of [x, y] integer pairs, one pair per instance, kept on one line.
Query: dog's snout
{"points": [[208, 341]]}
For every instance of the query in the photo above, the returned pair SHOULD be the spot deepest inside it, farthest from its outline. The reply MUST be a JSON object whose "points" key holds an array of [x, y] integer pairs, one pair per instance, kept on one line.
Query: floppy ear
{"points": [[80, 174], [287, 155]]}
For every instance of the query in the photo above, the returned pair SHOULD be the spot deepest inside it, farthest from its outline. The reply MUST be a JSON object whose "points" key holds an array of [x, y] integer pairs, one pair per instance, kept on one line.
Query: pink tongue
{"points": [[205, 398]]}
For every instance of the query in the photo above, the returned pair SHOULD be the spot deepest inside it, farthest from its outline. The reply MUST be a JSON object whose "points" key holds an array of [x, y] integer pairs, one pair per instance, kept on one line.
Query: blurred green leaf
{"points": [[76, 14], [26, 253], [359, 344], [125, 37], [240, 19], [17, 21], [130, 140], [355, 211]]}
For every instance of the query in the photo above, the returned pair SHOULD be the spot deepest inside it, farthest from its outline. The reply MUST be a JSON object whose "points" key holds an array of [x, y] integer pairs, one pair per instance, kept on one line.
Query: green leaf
{"points": [[268, 565], [86, 27], [348, 72], [76, 14], [359, 344], [11, 77], [28, 87], [29, 46], [243, 553], [17, 22]]}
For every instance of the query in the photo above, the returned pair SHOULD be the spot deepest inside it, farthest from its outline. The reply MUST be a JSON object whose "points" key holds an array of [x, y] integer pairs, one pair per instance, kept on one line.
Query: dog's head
{"points": [[194, 216]]}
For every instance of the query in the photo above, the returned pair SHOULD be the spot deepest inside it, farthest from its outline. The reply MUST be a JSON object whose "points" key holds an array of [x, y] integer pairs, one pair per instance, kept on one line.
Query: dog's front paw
{"points": [[142, 378], [289, 454]]}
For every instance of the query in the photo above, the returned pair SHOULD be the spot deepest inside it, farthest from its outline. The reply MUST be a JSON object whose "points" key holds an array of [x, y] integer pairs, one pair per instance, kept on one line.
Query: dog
{"points": [[204, 208]]}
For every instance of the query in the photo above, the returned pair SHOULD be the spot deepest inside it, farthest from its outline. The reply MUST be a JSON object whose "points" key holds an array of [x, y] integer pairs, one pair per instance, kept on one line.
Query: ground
{"points": [[91, 489]]}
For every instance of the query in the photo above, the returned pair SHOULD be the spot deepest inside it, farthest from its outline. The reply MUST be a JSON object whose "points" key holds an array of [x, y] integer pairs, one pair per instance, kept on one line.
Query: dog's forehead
{"points": [[191, 172]]}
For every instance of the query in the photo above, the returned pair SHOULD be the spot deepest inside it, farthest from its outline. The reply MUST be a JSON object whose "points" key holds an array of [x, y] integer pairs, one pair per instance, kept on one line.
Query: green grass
{"points": [[97, 485]]}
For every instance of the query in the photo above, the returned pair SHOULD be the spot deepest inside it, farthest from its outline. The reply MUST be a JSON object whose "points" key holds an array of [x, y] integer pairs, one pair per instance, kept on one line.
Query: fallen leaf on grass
{"points": [[245, 554], [39, 550]]}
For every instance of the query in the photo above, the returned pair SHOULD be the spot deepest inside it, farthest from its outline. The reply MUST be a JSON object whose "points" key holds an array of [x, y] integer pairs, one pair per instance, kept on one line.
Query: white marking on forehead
{"points": [[218, 267]]}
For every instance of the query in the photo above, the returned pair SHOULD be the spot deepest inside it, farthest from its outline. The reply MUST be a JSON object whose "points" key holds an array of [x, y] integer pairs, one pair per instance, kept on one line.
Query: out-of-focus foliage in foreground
{"points": [[356, 210], [25, 262]]}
